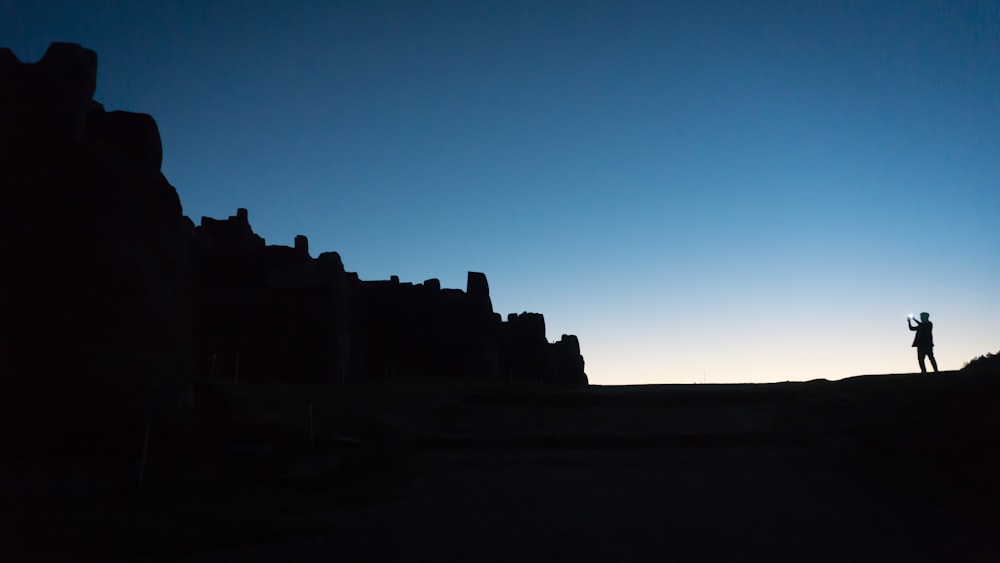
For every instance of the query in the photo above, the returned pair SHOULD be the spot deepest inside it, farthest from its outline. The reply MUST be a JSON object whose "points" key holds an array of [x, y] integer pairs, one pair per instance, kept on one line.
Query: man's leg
{"points": [[920, 358], [930, 354]]}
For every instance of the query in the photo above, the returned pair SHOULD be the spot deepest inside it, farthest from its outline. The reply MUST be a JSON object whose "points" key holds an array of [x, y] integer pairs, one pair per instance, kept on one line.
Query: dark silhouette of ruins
{"points": [[274, 313], [112, 298]]}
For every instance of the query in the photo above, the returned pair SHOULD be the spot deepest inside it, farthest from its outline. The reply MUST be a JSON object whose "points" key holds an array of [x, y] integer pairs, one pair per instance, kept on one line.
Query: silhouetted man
{"points": [[924, 340]]}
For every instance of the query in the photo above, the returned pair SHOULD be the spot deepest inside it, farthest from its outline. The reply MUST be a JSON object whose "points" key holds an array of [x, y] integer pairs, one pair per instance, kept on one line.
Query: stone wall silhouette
{"points": [[113, 302], [94, 253], [273, 313]]}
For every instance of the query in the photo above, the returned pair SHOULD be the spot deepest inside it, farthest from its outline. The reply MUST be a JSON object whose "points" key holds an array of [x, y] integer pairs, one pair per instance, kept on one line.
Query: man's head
{"points": [[924, 317]]}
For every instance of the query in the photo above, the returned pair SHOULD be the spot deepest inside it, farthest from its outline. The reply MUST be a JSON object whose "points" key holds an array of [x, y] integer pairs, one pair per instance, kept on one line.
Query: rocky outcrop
{"points": [[47, 103], [112, 301], [94, 281], [265, 312], [273, 313], [527, 353]]}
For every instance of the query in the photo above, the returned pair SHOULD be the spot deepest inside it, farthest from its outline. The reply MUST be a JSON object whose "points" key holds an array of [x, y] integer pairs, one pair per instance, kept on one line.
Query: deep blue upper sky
{"points": [[715, 191]]}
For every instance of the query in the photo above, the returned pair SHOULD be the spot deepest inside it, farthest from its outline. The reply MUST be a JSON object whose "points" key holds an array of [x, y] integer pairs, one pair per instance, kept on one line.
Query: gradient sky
{"points": [[701, 191]]}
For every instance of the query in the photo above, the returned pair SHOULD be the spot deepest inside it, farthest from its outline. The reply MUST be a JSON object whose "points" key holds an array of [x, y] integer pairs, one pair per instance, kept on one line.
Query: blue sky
{"points": [[701, 191]]}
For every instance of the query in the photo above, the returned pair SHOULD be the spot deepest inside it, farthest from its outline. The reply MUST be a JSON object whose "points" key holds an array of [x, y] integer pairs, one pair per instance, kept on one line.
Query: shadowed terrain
{"points": [[872, 468]]}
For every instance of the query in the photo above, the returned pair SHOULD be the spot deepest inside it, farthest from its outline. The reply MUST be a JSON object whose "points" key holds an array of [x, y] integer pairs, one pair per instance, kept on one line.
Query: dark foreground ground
{"points": [[876, 468]]}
